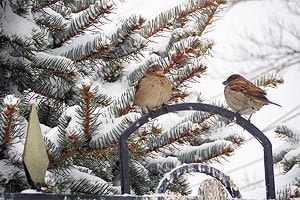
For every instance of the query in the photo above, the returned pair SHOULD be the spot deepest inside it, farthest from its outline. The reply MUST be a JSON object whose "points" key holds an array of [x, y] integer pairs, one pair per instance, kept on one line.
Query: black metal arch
{"points": [[265, 142]]}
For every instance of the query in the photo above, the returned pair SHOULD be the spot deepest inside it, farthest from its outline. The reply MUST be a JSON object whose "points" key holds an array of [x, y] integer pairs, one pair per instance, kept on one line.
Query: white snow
{"points": [[168, 120], [78, 174], [11, 100], [86, 83], [31, 191], [53, 135], [24, 27], [81, 41], [113, 90], [283, 180], [293, 154]]}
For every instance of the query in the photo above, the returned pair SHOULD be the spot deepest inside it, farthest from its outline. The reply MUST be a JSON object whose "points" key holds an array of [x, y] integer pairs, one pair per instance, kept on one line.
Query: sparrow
{"points": [[153, 89], [243, 97]]}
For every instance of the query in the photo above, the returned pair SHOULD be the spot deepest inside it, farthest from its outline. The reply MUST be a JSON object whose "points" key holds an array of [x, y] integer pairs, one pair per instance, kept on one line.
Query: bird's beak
{"points": [[161, 72]]}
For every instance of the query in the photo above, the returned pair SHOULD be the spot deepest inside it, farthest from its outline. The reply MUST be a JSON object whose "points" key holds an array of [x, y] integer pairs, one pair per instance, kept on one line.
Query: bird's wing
{"points": [[139, 82], [247, 88], [148, 81]]}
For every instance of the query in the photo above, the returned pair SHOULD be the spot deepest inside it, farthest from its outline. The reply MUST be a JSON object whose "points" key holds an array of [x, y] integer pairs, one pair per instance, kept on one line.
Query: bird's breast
{"points": [[153, 91], [238, 102]]}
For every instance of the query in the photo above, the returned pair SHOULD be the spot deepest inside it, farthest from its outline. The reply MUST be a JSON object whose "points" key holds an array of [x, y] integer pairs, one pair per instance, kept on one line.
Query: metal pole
{"points": [[124, 164], [268, 157]]}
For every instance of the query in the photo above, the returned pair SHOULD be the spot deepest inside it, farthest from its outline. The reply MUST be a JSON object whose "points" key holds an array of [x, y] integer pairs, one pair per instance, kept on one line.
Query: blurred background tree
{"points": [[275, 52]]}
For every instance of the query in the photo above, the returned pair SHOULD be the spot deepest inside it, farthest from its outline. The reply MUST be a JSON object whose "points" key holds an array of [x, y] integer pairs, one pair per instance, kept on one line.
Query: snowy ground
{"points": [[246, 166]]}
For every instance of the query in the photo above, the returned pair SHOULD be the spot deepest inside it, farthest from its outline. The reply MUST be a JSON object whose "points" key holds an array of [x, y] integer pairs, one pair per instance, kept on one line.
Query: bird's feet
{"points": [[145, 110], [165, 106], [249, 118]]}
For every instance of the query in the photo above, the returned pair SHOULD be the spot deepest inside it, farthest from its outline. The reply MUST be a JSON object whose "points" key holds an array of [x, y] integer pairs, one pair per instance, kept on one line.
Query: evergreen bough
{"points": [[82, 76]]}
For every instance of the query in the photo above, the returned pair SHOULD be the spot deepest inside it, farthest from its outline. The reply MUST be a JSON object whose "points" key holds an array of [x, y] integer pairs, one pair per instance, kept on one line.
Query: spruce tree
{"points": [[82, 76], [287, 155]]}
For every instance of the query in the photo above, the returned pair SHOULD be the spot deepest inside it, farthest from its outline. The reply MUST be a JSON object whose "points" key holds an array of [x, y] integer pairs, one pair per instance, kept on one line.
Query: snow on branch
{"points": [[269, 80], [84, 183], [83, 20], [206, 152], [129, 27], [110, 138], [56, 64], [11, 123], [170, 136], [177, 15], [95, 46], [54, 22], [121, 105]]}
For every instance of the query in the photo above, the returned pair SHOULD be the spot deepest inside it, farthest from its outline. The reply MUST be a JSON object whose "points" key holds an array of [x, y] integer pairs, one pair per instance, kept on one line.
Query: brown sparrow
{"points": [[244, 97], [153, 89]]}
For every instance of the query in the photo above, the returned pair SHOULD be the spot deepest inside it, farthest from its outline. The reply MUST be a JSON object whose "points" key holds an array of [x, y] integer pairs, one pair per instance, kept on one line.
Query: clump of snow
{"points": [[224, 132], [292, 154], [7, 171], [31, 191], [52, 134], [289, 178], [114, 90], [168, 120], [12, 23], [78, 174], [161, 160], [16, 150], [41, 58], [82, 42], [86, 83], [159, 44], [11, 100], [48, 12], [188, 149], [234, 119]]}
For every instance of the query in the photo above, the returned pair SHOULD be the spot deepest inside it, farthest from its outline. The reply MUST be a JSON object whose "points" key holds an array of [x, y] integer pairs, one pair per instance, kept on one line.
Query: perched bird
{"points": [[153, 89], [244, 97]]}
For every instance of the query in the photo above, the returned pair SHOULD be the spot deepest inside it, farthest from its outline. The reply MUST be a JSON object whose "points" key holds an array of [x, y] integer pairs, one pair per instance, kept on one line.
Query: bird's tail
{"points": [[274, 103]]}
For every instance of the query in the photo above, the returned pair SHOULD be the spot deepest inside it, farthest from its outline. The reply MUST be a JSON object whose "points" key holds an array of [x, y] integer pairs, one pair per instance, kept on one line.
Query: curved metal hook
{"points": [[265, 142]]}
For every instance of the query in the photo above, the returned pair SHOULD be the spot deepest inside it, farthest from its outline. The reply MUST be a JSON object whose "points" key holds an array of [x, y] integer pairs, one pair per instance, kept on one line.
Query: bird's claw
{"points": [[165, 106]]}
